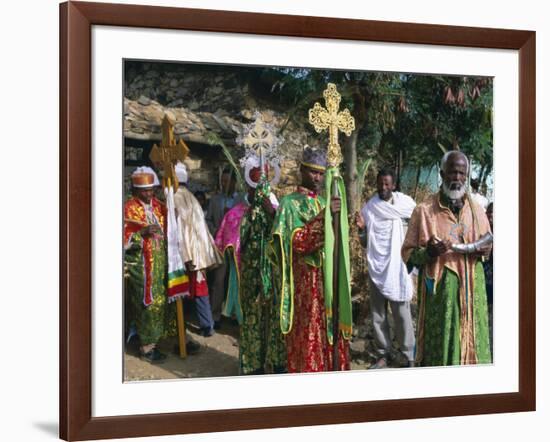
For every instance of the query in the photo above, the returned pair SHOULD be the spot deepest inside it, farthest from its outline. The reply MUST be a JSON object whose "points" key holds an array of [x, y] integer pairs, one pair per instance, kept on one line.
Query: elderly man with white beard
{"points": [[452, 324]]}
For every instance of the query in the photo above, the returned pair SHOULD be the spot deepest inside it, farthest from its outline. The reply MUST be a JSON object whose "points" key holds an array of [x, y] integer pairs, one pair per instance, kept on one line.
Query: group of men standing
{"points": [[452, 321], [147, 287], [266, 270]]}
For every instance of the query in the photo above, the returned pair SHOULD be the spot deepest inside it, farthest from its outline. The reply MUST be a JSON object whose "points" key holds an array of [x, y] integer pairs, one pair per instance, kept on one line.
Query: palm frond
{"points": [[214, 140]]}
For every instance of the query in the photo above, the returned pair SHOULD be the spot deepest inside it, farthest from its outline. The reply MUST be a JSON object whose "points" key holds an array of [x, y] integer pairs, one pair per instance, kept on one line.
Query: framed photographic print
{"points": [[201, 102]]}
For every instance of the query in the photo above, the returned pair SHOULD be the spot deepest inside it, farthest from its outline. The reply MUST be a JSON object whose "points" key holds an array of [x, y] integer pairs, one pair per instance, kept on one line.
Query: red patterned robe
{"points": [[145, 260], [152, 249], [297, 245]]}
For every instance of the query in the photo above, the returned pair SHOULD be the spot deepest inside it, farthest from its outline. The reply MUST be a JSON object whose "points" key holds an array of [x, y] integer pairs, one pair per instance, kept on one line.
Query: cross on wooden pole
{"points": [[166, 156], [335, 121], [169, 153]]}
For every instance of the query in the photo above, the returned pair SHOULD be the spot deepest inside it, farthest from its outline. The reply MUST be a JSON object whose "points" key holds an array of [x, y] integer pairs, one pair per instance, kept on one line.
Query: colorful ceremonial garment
{"points": [[228, 241], [145, 259], [334, 180], [196, 243], [297, 251], [178, 280], [261, 344], [228, 234], [452, 314]]}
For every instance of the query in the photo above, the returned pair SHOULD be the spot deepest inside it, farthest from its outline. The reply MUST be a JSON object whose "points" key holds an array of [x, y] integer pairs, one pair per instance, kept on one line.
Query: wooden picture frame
{"points": [[76, 21]]}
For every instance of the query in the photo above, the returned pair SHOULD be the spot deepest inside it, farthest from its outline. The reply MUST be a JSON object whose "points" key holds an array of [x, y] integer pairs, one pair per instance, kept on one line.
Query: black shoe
{"points": [[154, 356], [208, 332], [279, 370], [217, 325], [411, 364]]}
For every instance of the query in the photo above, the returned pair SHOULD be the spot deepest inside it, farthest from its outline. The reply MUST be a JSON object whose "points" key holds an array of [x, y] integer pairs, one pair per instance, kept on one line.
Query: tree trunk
{"points": [[350, 148], [399, 161], [418, 171], [350, 174], [481, 174]]}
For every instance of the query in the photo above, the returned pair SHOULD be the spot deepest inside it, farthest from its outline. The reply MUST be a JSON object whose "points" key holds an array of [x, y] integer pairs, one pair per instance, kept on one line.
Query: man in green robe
{"points": [[261, 345], [452, 303], [297, 250]]}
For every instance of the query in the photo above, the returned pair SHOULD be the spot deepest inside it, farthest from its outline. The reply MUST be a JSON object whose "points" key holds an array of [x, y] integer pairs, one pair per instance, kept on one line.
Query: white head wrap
{"points": [[181, 172]]}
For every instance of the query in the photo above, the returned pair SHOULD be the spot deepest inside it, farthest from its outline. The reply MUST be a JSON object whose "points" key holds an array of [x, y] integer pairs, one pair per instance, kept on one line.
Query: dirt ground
{"points": [[218, 354]]}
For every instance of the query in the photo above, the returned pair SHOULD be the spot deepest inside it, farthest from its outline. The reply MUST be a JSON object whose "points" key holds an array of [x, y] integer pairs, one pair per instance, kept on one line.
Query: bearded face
{"points": [[455, 190], [453, 175]]}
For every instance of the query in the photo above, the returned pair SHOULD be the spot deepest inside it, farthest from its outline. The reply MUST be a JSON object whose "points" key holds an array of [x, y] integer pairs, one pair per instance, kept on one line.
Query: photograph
{"points": [[282, 220], [276, 220]]}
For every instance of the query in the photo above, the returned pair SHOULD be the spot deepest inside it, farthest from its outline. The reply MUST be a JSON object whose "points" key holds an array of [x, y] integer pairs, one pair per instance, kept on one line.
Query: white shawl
{"points": [[385, 235], [195, 241]]}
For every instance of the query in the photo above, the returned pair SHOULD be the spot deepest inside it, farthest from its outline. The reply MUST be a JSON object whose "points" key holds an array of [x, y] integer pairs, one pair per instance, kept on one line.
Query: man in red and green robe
{"points": [[145, 264], [297, 251]]}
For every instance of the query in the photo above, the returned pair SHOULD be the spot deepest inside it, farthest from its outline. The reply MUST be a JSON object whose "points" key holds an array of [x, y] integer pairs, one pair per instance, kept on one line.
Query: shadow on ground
{"points": [[50, 428]]}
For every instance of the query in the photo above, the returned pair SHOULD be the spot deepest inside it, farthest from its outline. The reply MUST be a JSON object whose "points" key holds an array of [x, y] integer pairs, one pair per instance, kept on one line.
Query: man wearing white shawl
{"points": [[197, 248], [382, 231]]}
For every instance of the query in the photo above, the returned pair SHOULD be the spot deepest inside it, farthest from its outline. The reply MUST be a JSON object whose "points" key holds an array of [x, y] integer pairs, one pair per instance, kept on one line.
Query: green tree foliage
{"points": [[401, 119], [437, 113]]}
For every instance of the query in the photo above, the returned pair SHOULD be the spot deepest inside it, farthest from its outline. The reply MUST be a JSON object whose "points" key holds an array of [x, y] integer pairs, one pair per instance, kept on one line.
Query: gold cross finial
{"points": [[169, 153], [335, 121]]}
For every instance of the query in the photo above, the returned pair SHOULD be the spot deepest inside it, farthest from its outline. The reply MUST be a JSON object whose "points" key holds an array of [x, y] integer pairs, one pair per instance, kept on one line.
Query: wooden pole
{"points": [[335, 291], [181, 328], [179, 305]]}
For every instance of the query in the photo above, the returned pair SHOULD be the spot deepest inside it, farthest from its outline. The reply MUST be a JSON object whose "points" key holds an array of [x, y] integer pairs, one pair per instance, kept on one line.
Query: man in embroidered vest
{"points": [[382, 233], [145, 261], [297, 251], [197, 248], [452, 302]]}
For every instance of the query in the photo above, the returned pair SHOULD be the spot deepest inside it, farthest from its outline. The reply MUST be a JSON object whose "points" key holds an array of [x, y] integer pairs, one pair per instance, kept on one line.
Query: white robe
{"points": [[385, 235], [196, 242]]}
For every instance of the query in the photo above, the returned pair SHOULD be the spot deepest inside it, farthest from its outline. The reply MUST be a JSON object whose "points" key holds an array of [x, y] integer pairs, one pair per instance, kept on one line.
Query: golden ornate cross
{"points": [[168, 154], [335, 121]]}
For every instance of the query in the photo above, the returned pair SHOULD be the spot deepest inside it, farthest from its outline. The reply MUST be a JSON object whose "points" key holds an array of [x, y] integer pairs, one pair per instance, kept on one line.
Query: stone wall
{"points": [[198, 88], [201, 102]]}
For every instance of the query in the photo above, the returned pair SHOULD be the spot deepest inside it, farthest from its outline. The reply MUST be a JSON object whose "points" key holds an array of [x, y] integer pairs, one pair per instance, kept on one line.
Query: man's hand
{"points": [[437, 247], [359, 221], [485, 251], [150, 230], [189, 266], [268, 207], [335, 204]]}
